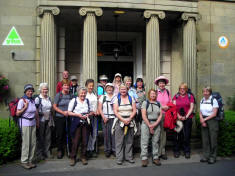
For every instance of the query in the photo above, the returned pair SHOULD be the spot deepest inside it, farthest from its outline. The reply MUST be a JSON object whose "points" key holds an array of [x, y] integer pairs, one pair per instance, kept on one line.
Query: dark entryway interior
{"points": [[111, 68]]}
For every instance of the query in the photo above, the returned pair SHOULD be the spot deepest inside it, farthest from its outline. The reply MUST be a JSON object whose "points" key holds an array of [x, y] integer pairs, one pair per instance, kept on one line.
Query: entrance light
{"points": [[119, 12]]}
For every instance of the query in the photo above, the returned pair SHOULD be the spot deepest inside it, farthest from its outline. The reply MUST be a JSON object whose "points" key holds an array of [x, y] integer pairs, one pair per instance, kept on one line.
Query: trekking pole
{"points": [[97, 128], [67, 136]]}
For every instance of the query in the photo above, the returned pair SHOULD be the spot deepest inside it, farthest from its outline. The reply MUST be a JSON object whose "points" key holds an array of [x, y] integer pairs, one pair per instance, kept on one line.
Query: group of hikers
{"points": [[125, 111]]}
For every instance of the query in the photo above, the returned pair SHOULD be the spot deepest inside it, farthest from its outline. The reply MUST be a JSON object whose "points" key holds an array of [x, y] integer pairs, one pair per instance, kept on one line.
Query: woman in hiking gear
{"points": [[125, 111], [60, 106], [91, 96], [79, 110], [106, 111], [184, 106], [44, 107], [210, 126], [27, 113], [164, 97], [150, 127]]}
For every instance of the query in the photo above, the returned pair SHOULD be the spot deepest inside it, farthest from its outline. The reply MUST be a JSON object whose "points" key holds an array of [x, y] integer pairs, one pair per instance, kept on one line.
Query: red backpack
{"points": [[170, 116], [13, 108]]}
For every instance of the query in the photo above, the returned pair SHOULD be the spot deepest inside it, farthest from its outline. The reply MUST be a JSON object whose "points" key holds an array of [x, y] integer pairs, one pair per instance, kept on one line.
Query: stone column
{"points": [[48, 47], [90, 42], [190, 50], [152, 47]]}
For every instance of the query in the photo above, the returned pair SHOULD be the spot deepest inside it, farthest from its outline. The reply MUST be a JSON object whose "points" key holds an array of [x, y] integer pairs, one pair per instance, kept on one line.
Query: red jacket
{"points": [[170, 116]]}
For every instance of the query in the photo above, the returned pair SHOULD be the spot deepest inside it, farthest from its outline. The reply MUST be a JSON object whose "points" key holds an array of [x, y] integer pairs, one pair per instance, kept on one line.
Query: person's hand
{"points": [[126, 121], [105, 120], [66, 113], [202, 120], [204, 124], [26, 103], [151, 131]]}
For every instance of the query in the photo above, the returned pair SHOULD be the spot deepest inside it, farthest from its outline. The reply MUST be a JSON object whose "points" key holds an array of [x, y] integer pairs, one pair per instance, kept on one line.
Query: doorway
{"points": [[110, 68]]}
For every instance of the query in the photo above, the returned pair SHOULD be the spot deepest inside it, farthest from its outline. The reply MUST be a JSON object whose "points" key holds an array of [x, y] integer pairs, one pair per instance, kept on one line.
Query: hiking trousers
{"points": [[209, 139], [109, 139], [124, 143], [44, 139], [145, 136], [28, 144], [80, 137], [94, 131], [162, 142]]}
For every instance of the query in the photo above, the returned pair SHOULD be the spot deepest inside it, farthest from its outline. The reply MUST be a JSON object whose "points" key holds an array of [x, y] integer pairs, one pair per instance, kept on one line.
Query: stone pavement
{"points": [[62, 165]]}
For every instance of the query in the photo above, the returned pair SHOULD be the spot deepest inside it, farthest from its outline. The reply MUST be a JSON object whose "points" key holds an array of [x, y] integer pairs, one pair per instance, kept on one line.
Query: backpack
{"points": [[147, 105], [170, 116], [119, 99], [13, 108], [60, 97], [189, 93], [220, 113]]}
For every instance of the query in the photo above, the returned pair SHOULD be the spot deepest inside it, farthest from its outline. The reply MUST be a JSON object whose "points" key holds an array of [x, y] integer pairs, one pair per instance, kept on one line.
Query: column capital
{"points": [[96, 10], [159, 14], [54, 10], [186, 16]]}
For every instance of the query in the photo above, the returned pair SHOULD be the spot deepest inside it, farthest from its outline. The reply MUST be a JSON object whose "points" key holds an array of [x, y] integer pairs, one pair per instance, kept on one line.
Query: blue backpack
{"points": [[119, 99]]}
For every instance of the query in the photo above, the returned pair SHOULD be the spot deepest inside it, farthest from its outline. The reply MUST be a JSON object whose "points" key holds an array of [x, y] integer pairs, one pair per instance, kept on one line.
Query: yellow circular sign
{"points": [[223, 42]]}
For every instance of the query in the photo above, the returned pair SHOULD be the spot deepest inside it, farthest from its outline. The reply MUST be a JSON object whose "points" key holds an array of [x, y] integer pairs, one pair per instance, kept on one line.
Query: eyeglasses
{"points": [[182, 88]]}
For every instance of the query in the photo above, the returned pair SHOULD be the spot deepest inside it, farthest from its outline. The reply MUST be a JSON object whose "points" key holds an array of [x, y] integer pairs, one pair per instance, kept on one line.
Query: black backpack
{"points": [[147, 104], [220, 114]]}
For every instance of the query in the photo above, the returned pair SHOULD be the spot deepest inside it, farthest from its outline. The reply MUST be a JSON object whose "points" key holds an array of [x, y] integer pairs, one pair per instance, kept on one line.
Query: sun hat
{"points": [[73, 77], [161, 78], [27, 87], [117, 74], [103, 77], [109, 84]]}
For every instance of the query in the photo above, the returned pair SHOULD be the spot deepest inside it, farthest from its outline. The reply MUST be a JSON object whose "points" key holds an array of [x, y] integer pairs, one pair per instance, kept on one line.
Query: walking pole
{"points": [[67, 137]]}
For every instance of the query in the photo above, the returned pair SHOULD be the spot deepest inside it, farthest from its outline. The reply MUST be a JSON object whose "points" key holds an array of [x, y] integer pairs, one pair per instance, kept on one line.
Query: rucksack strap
{"points": [[119, 99], [147, 104]]}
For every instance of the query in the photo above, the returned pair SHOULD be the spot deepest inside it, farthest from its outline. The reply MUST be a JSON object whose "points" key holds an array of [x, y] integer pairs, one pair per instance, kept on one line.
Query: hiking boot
{"points": [[114, 154], [187, 155], [25, 166], [203, 160], [119, 162], [89, 154], [31, 165], [144, 163], [59, 155], [94, 154], [211, 161], [72, 162], [107, 154], [157, 162], [131, 161], [164, 157], [84, 161], [176, 154]]}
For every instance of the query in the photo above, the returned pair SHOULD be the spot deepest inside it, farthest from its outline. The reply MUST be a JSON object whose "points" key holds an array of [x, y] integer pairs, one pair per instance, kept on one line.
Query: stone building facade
{"points": [[178, 39]]}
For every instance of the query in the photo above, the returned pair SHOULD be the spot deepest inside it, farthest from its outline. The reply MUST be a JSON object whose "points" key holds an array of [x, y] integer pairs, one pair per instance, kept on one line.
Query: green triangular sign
{"points": [[13, 38]]}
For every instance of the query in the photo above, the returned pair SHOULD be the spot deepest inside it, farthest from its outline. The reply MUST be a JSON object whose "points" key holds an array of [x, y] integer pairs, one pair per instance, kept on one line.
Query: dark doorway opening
{"points": [[111, 68]]}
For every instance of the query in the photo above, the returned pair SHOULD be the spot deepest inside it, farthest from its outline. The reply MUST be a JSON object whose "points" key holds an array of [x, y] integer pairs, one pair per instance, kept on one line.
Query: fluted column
{"points": [[90, 42], [48, 47], [190, 50], [152, 47]]}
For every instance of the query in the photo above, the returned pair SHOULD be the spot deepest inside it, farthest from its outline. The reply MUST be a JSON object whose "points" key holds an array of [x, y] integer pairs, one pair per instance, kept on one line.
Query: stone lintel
{"points": [[159, 14], [42, 9], [186, 16], [96, 10]]}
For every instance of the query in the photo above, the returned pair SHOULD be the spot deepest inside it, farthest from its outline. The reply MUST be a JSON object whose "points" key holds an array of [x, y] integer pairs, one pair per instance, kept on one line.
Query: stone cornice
{"points": [[96, 10], [159, 14], [186, 16], [54, 10]]}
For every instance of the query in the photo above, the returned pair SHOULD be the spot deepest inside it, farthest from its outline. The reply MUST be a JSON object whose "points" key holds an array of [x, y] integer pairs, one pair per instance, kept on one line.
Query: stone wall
{"points": [[22, 15], [216, 66]]}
